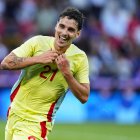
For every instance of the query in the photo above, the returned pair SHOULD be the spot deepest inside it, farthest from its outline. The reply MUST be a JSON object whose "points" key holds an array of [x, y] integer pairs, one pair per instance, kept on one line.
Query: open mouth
{"points": [[63, 39]]}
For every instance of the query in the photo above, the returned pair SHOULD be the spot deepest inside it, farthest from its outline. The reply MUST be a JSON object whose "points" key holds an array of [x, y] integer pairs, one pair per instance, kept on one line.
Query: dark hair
{"points": [[73, 13]]}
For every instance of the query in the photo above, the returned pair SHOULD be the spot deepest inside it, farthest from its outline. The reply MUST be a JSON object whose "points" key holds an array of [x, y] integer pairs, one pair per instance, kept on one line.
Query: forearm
{"points": [[12, 62], [81, 91]]}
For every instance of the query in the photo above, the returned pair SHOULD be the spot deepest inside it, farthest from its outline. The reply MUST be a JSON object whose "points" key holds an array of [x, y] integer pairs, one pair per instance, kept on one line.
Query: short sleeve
{"points": [[82, 74], [27, 49]]}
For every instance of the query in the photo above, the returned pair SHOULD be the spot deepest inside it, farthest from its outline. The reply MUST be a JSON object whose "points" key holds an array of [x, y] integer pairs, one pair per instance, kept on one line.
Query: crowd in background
{"points": [[110, 37]]}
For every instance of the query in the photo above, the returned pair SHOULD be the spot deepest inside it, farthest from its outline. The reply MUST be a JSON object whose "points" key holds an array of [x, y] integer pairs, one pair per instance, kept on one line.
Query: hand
{"points": [[47, 57], [63, 64]]}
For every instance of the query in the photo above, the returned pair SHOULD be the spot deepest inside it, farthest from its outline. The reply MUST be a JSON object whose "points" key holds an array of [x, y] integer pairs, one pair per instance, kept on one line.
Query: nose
{"points": [[65, 32]]}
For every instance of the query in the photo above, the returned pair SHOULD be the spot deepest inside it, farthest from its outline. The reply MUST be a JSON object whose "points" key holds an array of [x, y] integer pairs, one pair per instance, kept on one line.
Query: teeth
{"points": [[64, 38]]}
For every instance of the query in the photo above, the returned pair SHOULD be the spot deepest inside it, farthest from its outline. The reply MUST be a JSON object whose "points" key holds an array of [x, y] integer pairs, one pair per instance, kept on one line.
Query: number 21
{"points": [[48, 69]]}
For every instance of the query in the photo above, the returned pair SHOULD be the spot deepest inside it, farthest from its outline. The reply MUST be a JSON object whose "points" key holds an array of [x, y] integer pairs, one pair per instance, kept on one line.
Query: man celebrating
{"points": [[50, 66]]}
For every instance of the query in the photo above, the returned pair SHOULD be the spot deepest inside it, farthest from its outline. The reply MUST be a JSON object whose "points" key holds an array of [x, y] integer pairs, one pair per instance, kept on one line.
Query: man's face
{"points": [[66, 31]]}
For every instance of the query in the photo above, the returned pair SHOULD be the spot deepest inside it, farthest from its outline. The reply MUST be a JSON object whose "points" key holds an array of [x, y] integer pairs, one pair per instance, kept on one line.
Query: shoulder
{"points": [[75, 51], [42, 38]]}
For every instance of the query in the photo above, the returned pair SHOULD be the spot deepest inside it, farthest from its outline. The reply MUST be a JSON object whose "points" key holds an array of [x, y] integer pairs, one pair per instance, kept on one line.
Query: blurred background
{"points": [[111, 39]]}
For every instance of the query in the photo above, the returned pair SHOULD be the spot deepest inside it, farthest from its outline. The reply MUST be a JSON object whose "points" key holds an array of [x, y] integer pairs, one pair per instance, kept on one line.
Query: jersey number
{"points": [[48, 69], [31, 138]]}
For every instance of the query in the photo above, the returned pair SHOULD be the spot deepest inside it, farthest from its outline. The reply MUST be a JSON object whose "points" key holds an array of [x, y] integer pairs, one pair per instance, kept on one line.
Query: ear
{"points": [[78, 34]]}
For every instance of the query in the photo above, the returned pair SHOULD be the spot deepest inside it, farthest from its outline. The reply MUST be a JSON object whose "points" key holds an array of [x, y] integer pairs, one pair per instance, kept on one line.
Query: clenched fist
{"points": [[48, 57], [63, 64]]}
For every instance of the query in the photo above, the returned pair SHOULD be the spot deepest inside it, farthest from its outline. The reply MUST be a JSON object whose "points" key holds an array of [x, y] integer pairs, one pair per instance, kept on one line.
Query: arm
{"points": [[80, 90], [13, 62]]}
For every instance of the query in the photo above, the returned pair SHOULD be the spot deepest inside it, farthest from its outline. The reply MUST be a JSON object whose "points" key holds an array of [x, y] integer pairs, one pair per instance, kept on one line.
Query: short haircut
{"points": [[73, 13]]}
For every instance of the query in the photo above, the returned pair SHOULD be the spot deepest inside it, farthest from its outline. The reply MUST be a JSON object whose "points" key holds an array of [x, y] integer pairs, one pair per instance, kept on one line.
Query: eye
{"points": [[71, 30], [61, 26]]}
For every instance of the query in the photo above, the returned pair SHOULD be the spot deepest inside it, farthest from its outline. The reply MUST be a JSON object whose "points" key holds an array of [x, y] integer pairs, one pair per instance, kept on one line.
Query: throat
{"points": [[60, 49]]}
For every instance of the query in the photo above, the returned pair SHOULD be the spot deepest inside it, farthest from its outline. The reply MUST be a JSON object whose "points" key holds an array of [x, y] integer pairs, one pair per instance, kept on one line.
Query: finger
{"points": [[57, 58], [54, 55], [57, 61], [60, 58], [64, 55]]}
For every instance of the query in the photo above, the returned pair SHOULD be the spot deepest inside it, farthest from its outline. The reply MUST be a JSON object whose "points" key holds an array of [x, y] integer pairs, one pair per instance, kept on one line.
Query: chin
{"points": [[62, 45]]}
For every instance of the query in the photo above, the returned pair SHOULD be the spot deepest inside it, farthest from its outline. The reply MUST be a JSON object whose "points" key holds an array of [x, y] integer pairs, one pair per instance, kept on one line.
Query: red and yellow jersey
{"points": [[40, 89]]}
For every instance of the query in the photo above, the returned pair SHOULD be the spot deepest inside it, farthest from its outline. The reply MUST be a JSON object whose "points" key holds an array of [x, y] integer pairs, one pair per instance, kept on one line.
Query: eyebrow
{"points": [[70, 28]]}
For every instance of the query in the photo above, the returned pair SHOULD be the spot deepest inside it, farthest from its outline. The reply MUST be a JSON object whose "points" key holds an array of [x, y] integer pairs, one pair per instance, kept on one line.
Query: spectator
{"points": [[46, 18], [114, 21], [26, 18]]}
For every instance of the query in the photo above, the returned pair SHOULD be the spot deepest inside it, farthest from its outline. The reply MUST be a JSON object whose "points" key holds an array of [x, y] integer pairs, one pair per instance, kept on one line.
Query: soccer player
{"points": [[50, 66]]}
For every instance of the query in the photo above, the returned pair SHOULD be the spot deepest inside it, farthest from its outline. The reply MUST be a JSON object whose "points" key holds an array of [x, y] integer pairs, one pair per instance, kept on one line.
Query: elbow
{"points": [[84, 99], [4, 66], [85, 94]]}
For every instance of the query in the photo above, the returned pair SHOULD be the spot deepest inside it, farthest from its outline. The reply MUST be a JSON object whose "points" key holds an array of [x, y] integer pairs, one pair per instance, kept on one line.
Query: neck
{"points": [[60, 50]]}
